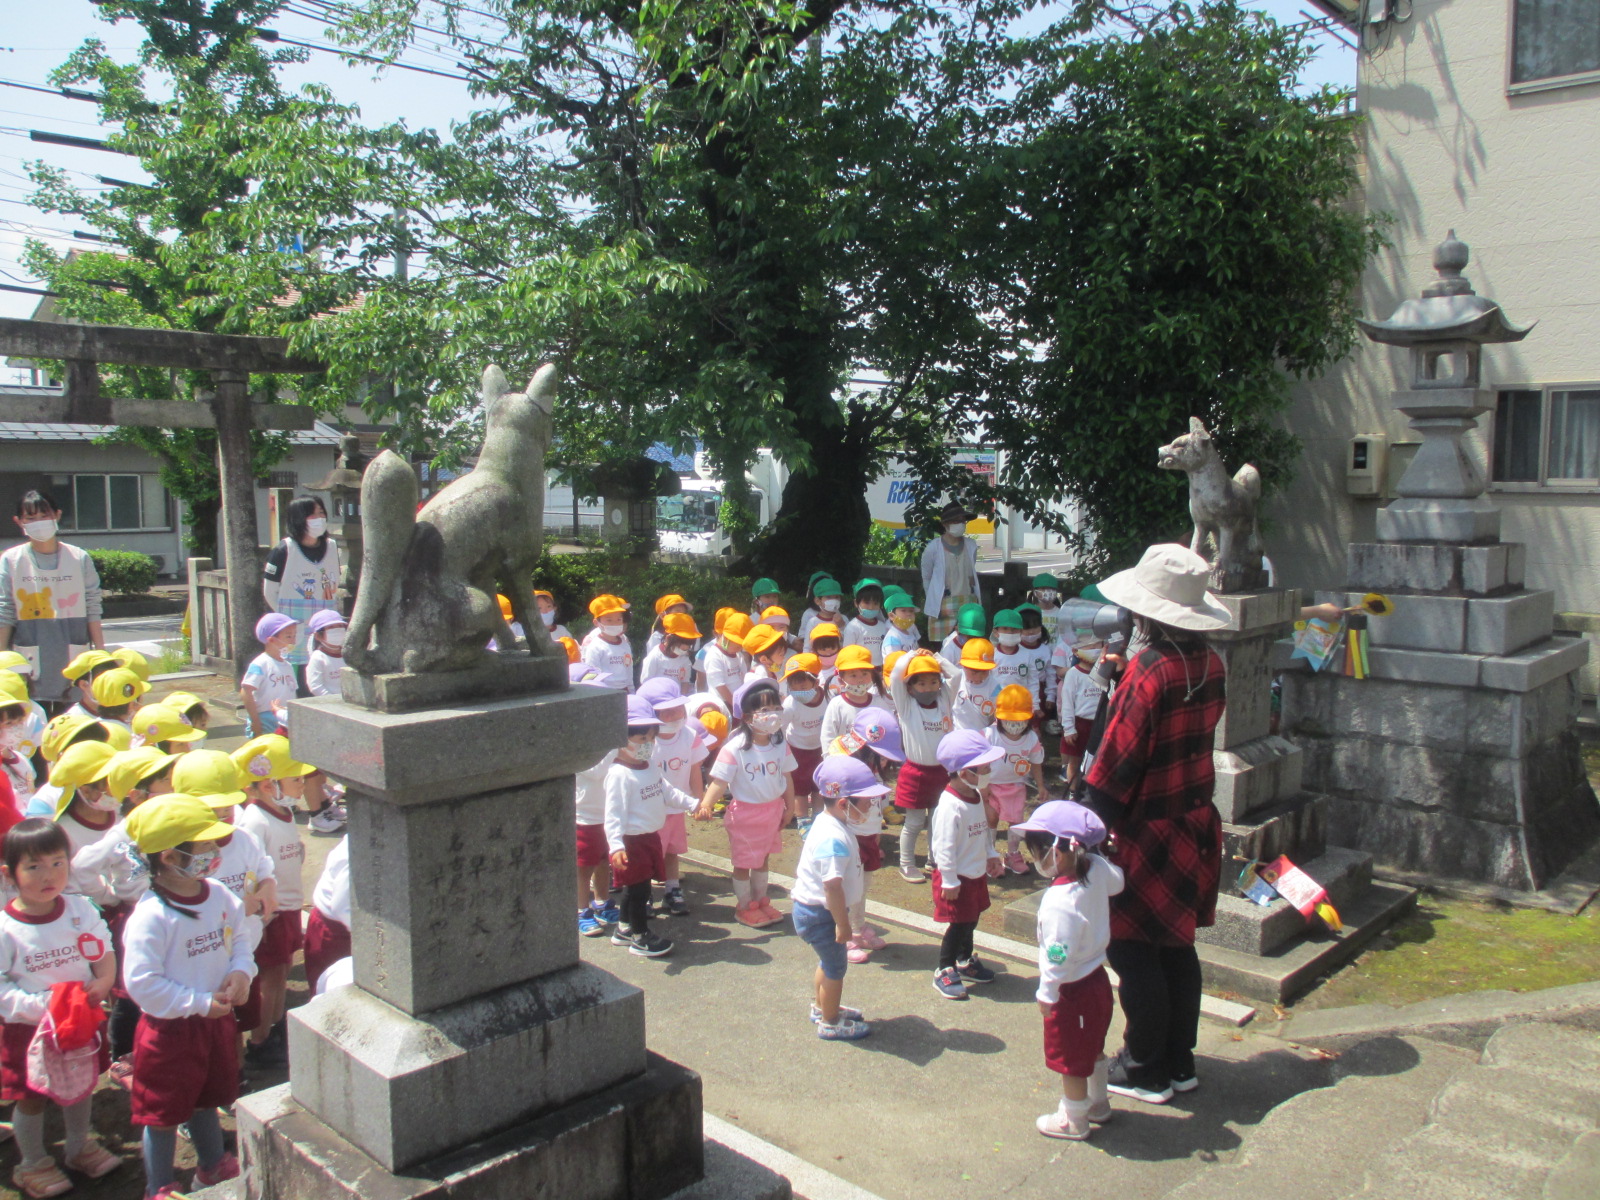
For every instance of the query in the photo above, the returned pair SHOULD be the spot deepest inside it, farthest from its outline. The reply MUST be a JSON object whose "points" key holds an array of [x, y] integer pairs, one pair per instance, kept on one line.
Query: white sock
{"points": [[858, 916], [1075, 1111], [758, 883], [1098, 1096], [597, 905], [916, 822], [1013, 841], [671, 885], [29, 1131], [741, 892], [77, 1120]]}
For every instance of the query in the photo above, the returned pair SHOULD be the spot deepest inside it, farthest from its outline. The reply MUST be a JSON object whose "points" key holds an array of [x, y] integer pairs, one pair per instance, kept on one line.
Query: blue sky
{"points": [[39, 36]]}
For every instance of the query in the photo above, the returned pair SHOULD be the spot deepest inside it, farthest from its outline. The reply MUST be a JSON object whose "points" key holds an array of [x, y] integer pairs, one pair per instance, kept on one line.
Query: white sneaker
{"points": [[325, 824], [1058, 1125]]}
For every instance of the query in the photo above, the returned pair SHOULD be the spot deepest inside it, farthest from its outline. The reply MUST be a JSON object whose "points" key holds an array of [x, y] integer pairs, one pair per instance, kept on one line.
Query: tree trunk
{"points": [[201, 518], [234, 461], [824, 521]]}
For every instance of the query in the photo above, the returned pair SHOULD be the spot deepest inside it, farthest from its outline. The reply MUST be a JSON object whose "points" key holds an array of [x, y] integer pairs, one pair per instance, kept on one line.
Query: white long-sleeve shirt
{"points": [[802, 726], [974, 703], [36, 953], [858, 633], [117, 862], [1079, 697], [80, 837], [840, 717], [659, 664], [614, 658], [903, 640], [280, 838], [922, 728], [322, 673], [638, 800], [331, 896], [724, 670], [1074, 927], [960, 839], [937, 571], [175, 962]]}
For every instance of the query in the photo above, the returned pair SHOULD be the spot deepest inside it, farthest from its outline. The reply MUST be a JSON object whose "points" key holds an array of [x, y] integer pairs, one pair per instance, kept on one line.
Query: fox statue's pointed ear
{"points": [[494, 385], [542, 387], [1198, 427]]}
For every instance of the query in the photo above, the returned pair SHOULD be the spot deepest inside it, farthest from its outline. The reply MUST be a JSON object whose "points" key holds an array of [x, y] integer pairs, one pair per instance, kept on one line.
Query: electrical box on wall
{"points": [[1365, 464]]}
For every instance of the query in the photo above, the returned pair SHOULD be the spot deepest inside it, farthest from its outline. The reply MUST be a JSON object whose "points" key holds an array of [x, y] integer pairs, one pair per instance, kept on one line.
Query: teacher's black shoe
{"points": [[1120, 1083]]}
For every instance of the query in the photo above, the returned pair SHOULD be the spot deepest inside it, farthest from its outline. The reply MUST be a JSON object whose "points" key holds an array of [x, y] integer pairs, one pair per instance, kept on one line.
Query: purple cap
{"points": [[321, 619], [581, 672], [661, 692], [963, 749], [841, 776], [879, 729], [271, 625], [640, 712], [739, 696], [1065, 819]]}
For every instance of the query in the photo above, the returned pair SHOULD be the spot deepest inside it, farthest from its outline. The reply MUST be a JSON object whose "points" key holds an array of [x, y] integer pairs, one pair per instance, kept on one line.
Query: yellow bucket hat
{"points": [[128, 767], [133, 660], [87, 762], [159, 723], [211, 775], [84, 663], [268, 757], [61, 731], [10, 660], [118, 686], [171, 820], [12, 688], [118, 736]]}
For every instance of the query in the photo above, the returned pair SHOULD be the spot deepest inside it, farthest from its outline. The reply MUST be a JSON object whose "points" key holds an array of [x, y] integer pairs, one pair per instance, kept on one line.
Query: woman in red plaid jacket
{"points": [[1151, 782]]}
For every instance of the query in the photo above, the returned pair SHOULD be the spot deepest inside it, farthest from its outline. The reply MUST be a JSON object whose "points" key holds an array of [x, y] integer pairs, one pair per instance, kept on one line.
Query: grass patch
{"points": [[172, 659], [1450, 946]]}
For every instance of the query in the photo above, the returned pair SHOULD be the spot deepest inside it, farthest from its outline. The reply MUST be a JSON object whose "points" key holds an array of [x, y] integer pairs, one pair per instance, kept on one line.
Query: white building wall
{"points": [[1518, 178]]}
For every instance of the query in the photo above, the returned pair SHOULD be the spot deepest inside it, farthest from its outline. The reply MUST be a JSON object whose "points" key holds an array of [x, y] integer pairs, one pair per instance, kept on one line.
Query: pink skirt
{"points": [[675, 835], [1008, 801], [755, 831]]}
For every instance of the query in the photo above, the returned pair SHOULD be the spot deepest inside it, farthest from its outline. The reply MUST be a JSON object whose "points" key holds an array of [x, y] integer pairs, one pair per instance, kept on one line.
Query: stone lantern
{"points": [[343, 486], [1441, 493]]}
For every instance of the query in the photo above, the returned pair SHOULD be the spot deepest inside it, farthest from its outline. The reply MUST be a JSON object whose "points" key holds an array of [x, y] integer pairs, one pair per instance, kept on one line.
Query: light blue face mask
{"points": [[868, 614], [805, 696]]}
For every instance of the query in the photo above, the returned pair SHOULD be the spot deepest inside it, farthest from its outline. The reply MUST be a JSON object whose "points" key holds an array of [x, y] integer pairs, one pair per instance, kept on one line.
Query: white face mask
{"points": [[1009, 640], [316, 526], [10, 736], [39, 531], [334, 636], [611, 629], [202, 864], [549, 618], [1014, 728], [766, 722], [642, 749], [977, 780], [956, 529], [670, 728], [857, 689], [828, 604], [104, 802]]}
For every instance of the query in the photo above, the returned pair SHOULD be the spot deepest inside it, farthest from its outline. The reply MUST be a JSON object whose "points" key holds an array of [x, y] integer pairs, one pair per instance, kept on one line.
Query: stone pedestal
{"points": [[475, 1055]]}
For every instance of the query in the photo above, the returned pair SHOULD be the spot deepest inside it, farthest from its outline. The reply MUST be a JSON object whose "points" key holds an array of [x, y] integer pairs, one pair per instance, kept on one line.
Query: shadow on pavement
{"points": [[919, 1041]]}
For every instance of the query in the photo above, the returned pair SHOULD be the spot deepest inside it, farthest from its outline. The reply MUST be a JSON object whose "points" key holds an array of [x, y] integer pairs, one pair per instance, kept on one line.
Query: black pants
{"points": [[1159, 990], [120, 1028], [957, 944], [636, 907]]}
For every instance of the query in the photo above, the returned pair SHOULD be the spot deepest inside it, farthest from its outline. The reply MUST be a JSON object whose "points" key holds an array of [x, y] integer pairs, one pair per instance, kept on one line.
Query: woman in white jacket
{"points": [[949, 572]]}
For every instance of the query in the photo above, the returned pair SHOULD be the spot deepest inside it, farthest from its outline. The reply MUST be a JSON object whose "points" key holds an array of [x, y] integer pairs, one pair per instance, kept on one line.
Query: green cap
{"points": [[1093, 592], [865, 584], [816, 575], [972, 621], [1009, 617], [764, 587], [1046, 580], [897, 599], [826, 587]]}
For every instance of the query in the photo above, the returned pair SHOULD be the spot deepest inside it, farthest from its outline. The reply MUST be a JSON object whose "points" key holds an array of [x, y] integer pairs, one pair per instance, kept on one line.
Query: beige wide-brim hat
{"points": [[1169, 585]]}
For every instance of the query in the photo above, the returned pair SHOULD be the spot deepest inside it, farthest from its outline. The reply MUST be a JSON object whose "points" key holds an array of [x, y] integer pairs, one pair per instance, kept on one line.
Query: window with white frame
{"points": [[1554, 42], [114, 503], [1548, 435]]}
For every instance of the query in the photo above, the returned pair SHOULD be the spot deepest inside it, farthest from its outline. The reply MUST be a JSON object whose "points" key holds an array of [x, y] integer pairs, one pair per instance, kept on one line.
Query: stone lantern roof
{"points": [[1449, 309]]}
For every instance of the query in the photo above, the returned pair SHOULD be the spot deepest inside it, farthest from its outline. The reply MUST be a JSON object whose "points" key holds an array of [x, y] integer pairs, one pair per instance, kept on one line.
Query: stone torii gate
{"points": [[230, 358]]}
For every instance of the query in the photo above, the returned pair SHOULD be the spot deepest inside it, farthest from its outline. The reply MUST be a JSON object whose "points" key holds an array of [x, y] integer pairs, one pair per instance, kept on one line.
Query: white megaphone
{"points": [[1090, 619]]}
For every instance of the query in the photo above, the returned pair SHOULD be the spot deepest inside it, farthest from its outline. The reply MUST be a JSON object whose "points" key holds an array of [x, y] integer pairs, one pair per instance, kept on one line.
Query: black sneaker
{"points": [[1117, 1082], [973, 971], [1184, 1083], [267, 1055], [673, 904], [649, 945], [620, 936]]}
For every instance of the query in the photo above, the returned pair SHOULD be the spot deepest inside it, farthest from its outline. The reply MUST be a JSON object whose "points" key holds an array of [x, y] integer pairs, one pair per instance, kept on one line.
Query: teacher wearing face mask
{"points": [[949, 572], [49, 597], [301, 577]]}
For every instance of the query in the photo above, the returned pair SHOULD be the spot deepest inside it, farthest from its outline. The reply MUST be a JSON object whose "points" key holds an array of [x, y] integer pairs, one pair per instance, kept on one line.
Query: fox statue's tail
{"points": [[389, 499]]}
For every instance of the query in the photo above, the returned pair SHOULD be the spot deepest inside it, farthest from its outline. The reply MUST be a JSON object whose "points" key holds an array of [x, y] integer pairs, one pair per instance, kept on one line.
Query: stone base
{"points": [[640, 1140], [1439, 570], [405, 1089], [1468, 522], [1494, 626], [1261, 929], [1254, 775], [1297, 827], [1279, 977], [506, 675], [1448, 779]]}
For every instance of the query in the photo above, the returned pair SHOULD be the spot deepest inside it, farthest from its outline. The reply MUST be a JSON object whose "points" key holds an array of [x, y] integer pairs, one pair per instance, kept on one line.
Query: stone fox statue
{"points": [[428, 579], [1221, 507]]}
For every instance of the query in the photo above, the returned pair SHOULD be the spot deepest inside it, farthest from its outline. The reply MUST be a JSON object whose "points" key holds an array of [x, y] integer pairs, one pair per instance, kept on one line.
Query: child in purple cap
{"points": [[327, 629], [828, 883], [875, 741], [269, 681], [681, 746], [1074, 927], [964, 859], [638, 799]]}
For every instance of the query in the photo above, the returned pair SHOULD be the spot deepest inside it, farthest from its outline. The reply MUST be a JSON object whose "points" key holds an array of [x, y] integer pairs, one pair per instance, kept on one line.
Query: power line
{"points": [[69, 93]]}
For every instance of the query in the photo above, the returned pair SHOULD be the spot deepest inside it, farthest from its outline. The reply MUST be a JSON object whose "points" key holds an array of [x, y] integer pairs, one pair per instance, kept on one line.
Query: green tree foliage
{"points": [[240, 169]]}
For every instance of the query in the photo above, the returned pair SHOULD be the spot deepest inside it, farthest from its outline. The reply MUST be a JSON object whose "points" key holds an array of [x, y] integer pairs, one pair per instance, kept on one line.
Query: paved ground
{"points": [[940, 1100]]}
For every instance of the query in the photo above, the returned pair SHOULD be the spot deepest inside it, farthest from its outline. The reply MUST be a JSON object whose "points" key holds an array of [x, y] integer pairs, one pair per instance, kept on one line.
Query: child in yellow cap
{"points": [[979, 687], [85, 809], [922, 687], [194, 712], [80, 674], [672, 657], [47, 939], [159, 725], [1010, 776], [115, 693], [549, 615], [273, 783], [16, 744], [606, 648], [804, 706], [188, 968], [726, 662], [719, 619], [60, 734], [858, 688], [767, 647], [671, 605]]}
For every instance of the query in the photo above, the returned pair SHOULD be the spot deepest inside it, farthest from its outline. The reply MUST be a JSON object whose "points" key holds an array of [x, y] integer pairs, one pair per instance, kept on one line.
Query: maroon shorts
{"points": [[116, 919], [14, 1042], [1077, 749], [247, 1016], [279, 941], [327, 942], [592, 850], [181, 1065], [806, 763], [871, 851], [919, 786], [974, 898], [1075, 1029], [645, 860]]}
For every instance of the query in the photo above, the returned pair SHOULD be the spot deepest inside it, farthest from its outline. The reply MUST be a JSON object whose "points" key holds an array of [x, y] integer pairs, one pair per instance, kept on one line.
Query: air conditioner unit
{"points": [[161, 563]]}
